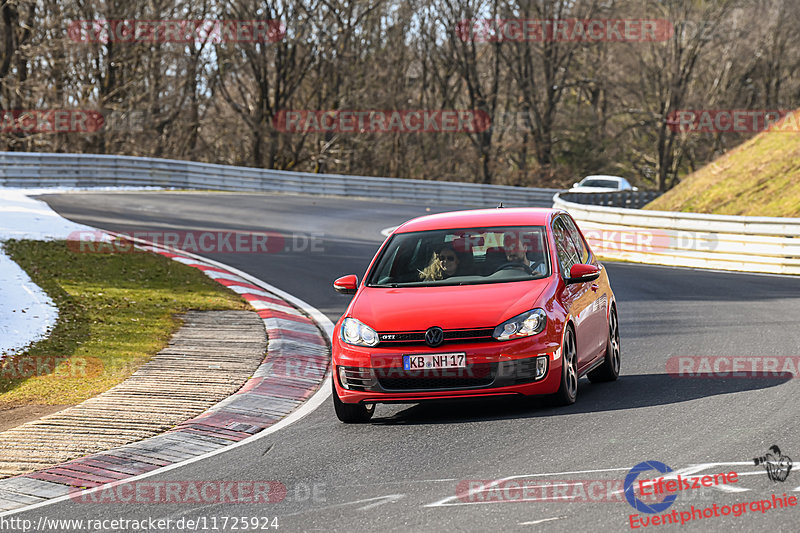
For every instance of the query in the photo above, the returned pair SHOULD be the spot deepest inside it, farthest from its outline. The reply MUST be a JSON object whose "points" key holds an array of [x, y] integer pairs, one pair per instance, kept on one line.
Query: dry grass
{"points": [[761, 177], [115, 312]]}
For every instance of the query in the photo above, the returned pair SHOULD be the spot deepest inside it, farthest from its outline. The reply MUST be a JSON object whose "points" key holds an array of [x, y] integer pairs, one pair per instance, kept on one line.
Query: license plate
{"points": [[432, 361]]}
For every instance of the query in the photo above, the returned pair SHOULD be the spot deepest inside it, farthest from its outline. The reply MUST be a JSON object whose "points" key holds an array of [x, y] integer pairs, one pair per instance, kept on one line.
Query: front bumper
{"points": [[376, 375]]}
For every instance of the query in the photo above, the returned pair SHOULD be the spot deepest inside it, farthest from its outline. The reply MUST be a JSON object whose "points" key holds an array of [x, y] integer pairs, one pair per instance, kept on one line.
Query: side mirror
{"points": [[346, 284], [580, 273], [575, 184]]}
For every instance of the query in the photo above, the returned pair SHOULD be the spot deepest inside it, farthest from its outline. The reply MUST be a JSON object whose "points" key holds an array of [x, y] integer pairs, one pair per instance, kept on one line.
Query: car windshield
{"points": [[608, 184], [462, 257]]}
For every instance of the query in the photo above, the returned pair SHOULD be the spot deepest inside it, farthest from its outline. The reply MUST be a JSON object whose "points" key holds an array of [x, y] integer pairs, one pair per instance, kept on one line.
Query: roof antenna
{"points": [[501, 206]]}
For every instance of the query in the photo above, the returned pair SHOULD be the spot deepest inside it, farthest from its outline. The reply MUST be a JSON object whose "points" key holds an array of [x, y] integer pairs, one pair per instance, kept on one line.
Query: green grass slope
{"points": [[761, 177]]}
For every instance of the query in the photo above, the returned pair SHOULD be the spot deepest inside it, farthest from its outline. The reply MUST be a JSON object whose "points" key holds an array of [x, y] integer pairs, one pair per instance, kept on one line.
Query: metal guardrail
{"points": [[628, 199], [755, 244], [26, 169], [751, 244]]}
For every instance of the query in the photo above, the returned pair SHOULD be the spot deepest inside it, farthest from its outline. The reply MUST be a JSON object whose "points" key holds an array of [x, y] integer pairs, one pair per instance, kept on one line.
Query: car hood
{"points": [[449, 307]]}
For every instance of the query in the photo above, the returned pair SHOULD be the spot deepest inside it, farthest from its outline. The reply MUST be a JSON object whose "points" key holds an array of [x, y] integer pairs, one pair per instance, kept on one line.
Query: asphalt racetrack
{"points": [[563, 468]]}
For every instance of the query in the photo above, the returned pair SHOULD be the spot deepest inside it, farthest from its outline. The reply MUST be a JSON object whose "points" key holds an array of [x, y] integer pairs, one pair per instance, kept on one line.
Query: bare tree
{"points": [[15, 32], [476, 66], [544, 69], [259, 79], [665, 74], [559, 107]]}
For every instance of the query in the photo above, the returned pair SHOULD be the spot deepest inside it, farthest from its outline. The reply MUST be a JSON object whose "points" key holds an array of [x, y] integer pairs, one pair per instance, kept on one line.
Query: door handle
{"points": [[595, 287]]}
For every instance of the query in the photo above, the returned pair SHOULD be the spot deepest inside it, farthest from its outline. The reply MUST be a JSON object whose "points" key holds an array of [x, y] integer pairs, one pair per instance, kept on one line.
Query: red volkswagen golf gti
{"points": [[472, 304]]}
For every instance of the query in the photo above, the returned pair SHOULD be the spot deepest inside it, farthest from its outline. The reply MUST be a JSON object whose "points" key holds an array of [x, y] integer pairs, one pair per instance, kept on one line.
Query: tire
{"points": [[351, 413], [568, 390], [609, 370]]}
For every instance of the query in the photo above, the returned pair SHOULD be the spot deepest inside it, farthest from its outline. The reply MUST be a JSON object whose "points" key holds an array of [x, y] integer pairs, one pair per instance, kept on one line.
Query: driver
{"points": [[516, 246]]}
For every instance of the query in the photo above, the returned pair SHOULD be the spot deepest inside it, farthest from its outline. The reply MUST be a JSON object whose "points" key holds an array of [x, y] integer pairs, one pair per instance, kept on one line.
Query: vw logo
{"points": [[434, 336]]}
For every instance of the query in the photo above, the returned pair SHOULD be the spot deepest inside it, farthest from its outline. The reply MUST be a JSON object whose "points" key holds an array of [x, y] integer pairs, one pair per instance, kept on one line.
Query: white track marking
{"points": [[534, 522], [380, 500], [382, 483], [686, 472], [526, 486], [689, 471], [446, 501], [573, 472]]}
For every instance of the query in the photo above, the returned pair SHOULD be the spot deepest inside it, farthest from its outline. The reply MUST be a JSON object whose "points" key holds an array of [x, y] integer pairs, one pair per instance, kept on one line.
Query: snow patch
{"points": [[27, 314], [22, 217]]}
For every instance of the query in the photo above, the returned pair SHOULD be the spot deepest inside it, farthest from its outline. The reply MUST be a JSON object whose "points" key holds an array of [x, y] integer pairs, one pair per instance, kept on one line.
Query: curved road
{"points": [[402, 472]]}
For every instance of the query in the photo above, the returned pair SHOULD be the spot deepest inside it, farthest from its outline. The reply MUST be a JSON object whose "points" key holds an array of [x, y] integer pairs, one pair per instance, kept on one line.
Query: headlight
{"points": [[524, 325], [354, 332]]}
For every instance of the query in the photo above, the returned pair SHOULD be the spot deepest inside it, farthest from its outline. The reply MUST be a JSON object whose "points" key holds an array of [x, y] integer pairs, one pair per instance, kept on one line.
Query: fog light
{"points": [[356, 378], [541, 367]]}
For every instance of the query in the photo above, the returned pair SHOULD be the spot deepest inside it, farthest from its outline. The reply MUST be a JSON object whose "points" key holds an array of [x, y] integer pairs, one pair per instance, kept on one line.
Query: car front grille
{"points": [[391, 338], [397, 379], [477, 375]]}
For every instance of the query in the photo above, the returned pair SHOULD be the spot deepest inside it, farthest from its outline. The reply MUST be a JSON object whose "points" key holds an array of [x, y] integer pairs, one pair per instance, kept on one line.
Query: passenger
{"points": [[520, 255], [443, 265]]}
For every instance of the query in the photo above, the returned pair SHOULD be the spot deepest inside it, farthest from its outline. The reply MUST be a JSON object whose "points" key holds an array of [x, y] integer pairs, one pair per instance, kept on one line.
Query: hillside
{"points": [[761, 177]]}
